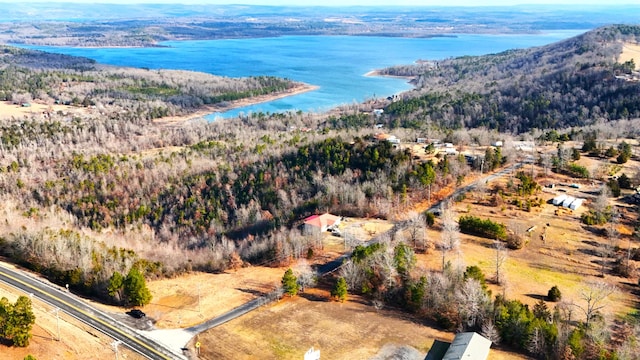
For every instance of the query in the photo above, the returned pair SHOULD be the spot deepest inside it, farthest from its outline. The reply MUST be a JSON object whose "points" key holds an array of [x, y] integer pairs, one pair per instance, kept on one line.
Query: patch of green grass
{"points": [[282, 350]]}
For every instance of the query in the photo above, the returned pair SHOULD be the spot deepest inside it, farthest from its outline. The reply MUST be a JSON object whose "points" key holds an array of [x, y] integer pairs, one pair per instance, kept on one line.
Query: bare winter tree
{"points": [[545, 162], [450, 235], [490, 331], [352, 274], [601, 203], [537, 343], [307, 277], [608, 244], [499, 261], [472, 301], [594, 295], [416, 227]]}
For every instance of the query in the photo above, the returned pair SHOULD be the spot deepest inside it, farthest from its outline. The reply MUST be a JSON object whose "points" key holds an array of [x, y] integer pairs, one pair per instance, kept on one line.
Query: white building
{"points": [[567, 202], [559, 199], [576, 204]]}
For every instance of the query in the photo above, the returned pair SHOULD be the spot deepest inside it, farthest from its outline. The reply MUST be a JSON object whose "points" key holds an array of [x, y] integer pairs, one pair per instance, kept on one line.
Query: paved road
{"points": [[77, 308]]}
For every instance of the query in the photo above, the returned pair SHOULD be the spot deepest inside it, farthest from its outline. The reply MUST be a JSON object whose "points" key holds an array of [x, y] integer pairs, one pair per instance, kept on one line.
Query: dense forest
{"points": [[569, 83]]}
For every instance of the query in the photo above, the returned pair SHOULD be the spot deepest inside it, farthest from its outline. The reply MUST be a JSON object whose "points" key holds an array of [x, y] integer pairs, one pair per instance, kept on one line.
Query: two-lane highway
{"points": [[77, 308]]}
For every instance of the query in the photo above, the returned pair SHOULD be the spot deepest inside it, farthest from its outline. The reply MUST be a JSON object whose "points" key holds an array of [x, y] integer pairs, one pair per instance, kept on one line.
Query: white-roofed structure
{"points": [[567, 202], [559, 199], [469, 345], [576, 204]]}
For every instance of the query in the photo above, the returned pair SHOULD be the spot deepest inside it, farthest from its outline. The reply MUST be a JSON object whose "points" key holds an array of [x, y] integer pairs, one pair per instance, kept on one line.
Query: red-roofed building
{"points": [[320, 223]]}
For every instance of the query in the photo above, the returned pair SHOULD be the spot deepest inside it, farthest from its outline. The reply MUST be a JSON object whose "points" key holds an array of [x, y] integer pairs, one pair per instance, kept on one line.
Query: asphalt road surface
{"points": [[77, 308]]}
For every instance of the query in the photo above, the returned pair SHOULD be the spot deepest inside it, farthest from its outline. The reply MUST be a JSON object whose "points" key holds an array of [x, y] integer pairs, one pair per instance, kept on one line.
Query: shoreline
{"points": [[230, 105], [373, 73]]}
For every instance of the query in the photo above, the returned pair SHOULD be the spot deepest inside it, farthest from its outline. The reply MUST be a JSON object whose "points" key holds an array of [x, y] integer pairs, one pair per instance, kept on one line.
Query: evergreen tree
{"points": [[16, 320], [575, 154], [624, 182], [116, 283], [554, 294], [135, 288], [541, 311], [23, 320], [340, 289], [6, 311], [290, 283]]}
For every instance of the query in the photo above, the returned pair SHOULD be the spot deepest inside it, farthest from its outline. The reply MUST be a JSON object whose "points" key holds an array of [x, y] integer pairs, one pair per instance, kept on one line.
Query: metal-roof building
{"points": [[469, 345], [559, 199], [576, 204], [567, 202]]}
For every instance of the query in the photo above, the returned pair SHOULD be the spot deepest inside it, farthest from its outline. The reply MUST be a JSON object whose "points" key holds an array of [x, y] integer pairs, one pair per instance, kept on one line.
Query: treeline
{"points": [[79, 262], [570, 83]]}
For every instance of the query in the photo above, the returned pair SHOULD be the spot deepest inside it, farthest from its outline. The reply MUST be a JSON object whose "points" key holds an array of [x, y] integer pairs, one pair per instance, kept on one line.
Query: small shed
{"points": [[559, 199]]}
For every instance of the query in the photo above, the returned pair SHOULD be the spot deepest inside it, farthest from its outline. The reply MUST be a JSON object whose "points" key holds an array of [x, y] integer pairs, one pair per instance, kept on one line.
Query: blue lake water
{"points": [[336, 64]]}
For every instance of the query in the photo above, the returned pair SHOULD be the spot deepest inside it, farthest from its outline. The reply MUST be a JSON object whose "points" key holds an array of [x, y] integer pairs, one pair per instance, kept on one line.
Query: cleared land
{"points": [[350, 330], [569, 256], [10, 110], [630, 51]]}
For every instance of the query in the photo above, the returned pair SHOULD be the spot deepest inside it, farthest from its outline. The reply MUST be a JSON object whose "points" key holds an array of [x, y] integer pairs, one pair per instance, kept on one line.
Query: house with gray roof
{"points": [[467, 346]]}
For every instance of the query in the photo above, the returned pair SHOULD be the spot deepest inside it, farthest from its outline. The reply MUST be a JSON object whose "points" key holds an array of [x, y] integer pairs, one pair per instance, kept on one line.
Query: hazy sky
{"points": [[354, 2]]}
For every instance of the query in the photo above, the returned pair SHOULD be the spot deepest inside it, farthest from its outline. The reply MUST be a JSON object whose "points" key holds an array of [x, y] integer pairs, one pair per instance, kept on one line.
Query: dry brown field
{"points": [[630, 51], [350, 330], [9, 110]]}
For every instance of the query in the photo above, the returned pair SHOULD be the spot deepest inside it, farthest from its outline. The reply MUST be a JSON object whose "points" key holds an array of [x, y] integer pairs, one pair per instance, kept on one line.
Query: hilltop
{"points": [[575, 82]]}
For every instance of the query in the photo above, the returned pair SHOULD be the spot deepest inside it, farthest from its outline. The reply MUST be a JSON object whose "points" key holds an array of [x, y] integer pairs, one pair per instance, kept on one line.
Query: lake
{"points": [[336, 64]]}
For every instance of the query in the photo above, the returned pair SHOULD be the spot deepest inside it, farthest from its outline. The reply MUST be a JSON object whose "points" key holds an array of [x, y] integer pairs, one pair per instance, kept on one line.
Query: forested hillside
{"points": [[569, 83], [28, 75]]}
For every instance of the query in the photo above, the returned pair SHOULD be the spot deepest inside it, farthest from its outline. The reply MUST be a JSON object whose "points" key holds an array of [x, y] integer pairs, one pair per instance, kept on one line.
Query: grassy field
{"points": [[350, 330]]}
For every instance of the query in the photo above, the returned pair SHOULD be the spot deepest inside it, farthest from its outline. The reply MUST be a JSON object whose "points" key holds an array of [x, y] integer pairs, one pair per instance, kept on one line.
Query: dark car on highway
{"points": [[138, 314]]}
